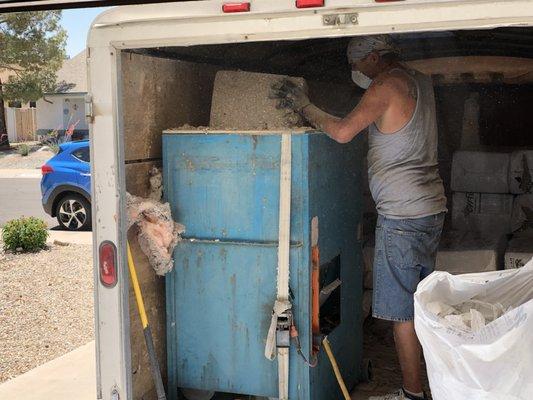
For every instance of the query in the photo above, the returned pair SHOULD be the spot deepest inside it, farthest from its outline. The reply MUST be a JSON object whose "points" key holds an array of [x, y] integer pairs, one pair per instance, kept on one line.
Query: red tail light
{"points": [[46, 169], [309, 3], [236, 7], [107, 264]]}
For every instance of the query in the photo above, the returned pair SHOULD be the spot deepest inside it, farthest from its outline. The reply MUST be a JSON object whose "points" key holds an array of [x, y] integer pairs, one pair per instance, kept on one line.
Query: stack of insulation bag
{"points": [[492, 209]]}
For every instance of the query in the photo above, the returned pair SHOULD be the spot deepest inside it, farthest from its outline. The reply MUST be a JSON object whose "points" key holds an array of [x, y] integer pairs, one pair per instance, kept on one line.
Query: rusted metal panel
{"points": [[225, 189]]}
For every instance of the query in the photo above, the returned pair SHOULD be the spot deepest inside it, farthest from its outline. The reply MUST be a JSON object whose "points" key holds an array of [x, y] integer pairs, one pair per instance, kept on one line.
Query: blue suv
{"points": [[66, 186]]}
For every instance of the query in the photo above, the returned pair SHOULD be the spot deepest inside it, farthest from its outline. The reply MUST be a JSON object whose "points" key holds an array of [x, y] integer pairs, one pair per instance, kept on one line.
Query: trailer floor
{"points": [[378, 346]]}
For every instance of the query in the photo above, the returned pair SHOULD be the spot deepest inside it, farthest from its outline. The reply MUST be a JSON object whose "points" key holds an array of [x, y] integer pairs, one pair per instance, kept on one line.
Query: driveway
{"points": [[72, 376], [21, 196]]}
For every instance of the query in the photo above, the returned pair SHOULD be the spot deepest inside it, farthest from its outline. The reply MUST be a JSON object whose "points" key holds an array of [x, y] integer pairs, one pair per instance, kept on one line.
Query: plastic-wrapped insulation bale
{"points": [[462, 252], [482, 212], [521, 172], [520, 250], [522, 216], [480, 171]]}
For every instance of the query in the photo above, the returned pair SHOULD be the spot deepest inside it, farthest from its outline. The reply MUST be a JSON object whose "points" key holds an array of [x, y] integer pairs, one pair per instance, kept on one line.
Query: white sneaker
{"points": [[398, 395]]}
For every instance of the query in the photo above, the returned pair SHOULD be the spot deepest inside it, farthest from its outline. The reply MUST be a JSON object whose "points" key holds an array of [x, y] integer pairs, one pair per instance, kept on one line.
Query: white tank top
{"points": [[403, 166]]}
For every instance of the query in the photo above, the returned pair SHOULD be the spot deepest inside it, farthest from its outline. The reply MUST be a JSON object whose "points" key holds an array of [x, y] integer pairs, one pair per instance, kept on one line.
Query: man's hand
{"points": [[290, 95]]}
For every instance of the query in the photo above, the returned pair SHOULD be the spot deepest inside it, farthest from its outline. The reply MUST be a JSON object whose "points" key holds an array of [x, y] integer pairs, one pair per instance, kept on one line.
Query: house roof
{"points": [[72, 77]]}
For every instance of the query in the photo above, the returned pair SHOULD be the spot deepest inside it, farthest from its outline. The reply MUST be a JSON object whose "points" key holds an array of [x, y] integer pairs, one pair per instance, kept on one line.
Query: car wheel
{"points": [[74, 213]]}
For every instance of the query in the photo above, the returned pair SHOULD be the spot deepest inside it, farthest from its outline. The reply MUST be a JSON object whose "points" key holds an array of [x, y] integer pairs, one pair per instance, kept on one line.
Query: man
{"points": [[398, 108]]}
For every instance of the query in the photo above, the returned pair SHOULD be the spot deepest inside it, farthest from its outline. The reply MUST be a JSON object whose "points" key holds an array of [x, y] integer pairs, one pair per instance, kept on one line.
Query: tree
{"points": [[32, 49]]}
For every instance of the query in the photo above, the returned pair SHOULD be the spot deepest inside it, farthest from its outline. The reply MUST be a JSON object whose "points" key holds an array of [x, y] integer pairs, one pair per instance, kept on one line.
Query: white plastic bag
{"points": [[474, 361]]}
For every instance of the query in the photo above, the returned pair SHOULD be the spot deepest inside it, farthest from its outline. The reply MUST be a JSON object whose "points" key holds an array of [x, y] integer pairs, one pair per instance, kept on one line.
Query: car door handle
{"points": [[85, 173]]}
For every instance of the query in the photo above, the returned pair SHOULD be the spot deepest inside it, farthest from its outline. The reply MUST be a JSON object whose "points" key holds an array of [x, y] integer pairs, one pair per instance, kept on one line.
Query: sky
{"points": [[77, 23]]}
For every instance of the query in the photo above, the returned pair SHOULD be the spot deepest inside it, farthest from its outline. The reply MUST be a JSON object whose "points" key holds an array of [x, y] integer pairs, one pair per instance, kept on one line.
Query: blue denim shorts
{"points": [[405, 253]]}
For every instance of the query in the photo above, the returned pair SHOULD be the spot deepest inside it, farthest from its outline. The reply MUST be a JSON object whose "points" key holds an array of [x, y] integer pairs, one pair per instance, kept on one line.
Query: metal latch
{"points": [[340, 19], [89, 115], [283, 338]]}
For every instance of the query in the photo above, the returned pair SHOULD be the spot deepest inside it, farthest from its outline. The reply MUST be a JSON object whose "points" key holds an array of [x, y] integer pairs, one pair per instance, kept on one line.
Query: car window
{"points": [[82, 154]]}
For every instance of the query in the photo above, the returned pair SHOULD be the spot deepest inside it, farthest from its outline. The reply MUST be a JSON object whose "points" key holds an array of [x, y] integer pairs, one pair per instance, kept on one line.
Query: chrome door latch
{"points": [[340, 19], [89, 114]]}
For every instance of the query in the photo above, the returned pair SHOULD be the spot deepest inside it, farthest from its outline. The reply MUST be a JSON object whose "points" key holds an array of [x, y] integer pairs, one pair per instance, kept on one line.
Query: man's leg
{"points": [[408, 349], [405, 252]]}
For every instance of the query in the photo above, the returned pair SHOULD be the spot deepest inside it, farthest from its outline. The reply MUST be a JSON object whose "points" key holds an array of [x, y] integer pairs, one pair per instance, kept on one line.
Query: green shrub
{"points": [[30, 234], [23, 149]]}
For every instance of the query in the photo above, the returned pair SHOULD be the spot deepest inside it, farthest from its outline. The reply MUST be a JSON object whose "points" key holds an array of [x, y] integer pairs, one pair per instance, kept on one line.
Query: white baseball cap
{"points": [[361, 46]]}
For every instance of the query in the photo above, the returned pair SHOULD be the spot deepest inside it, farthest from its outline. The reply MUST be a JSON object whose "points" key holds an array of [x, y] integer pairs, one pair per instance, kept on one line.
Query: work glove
{"points": [[290, 95]]}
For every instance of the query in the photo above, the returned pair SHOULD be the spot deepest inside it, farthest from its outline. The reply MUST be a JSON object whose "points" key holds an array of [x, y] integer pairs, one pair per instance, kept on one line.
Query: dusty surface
{"points": [[12, 160], [161, 93], [46, 306], [378, 345], [242, 100]]}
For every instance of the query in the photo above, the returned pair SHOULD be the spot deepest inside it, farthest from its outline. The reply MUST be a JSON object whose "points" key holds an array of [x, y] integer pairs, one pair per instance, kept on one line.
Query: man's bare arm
{"points": [[318, 118], [371, 107]]}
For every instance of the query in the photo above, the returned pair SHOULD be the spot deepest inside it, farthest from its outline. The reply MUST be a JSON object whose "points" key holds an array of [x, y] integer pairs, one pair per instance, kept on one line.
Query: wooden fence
{"points": [[25, 124]]}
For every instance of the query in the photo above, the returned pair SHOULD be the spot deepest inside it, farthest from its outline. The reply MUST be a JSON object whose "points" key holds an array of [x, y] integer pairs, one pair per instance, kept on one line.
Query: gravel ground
{"points": [[34, 160], [46, 306]]}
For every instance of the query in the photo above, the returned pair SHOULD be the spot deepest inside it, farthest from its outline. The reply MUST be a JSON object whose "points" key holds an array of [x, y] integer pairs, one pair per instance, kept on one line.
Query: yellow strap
{"points": [[136, 288]]}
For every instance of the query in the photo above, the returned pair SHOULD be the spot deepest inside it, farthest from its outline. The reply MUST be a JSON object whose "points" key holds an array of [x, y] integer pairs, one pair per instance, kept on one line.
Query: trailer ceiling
{"points": [[324, 59]]}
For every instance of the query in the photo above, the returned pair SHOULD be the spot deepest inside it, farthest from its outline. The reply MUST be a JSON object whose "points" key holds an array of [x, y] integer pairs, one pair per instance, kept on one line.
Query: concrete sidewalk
{"points": [[71, 376], [69, 237]]}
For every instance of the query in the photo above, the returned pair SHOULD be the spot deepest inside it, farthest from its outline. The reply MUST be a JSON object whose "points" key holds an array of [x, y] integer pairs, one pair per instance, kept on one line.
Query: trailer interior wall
{"points": [[157, 93]]}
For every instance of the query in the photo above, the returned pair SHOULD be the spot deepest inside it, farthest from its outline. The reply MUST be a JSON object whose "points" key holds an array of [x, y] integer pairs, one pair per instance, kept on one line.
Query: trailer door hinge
{"points": [[89, 115], [340, 19]]}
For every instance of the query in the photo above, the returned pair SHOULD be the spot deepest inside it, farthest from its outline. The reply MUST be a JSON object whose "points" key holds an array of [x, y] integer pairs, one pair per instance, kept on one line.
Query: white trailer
{"points": [[112, 43]]}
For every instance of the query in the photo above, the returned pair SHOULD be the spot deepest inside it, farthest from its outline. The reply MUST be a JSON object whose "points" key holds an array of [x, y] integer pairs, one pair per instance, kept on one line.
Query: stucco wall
{"points": [[50, 113], [74, 108]]}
